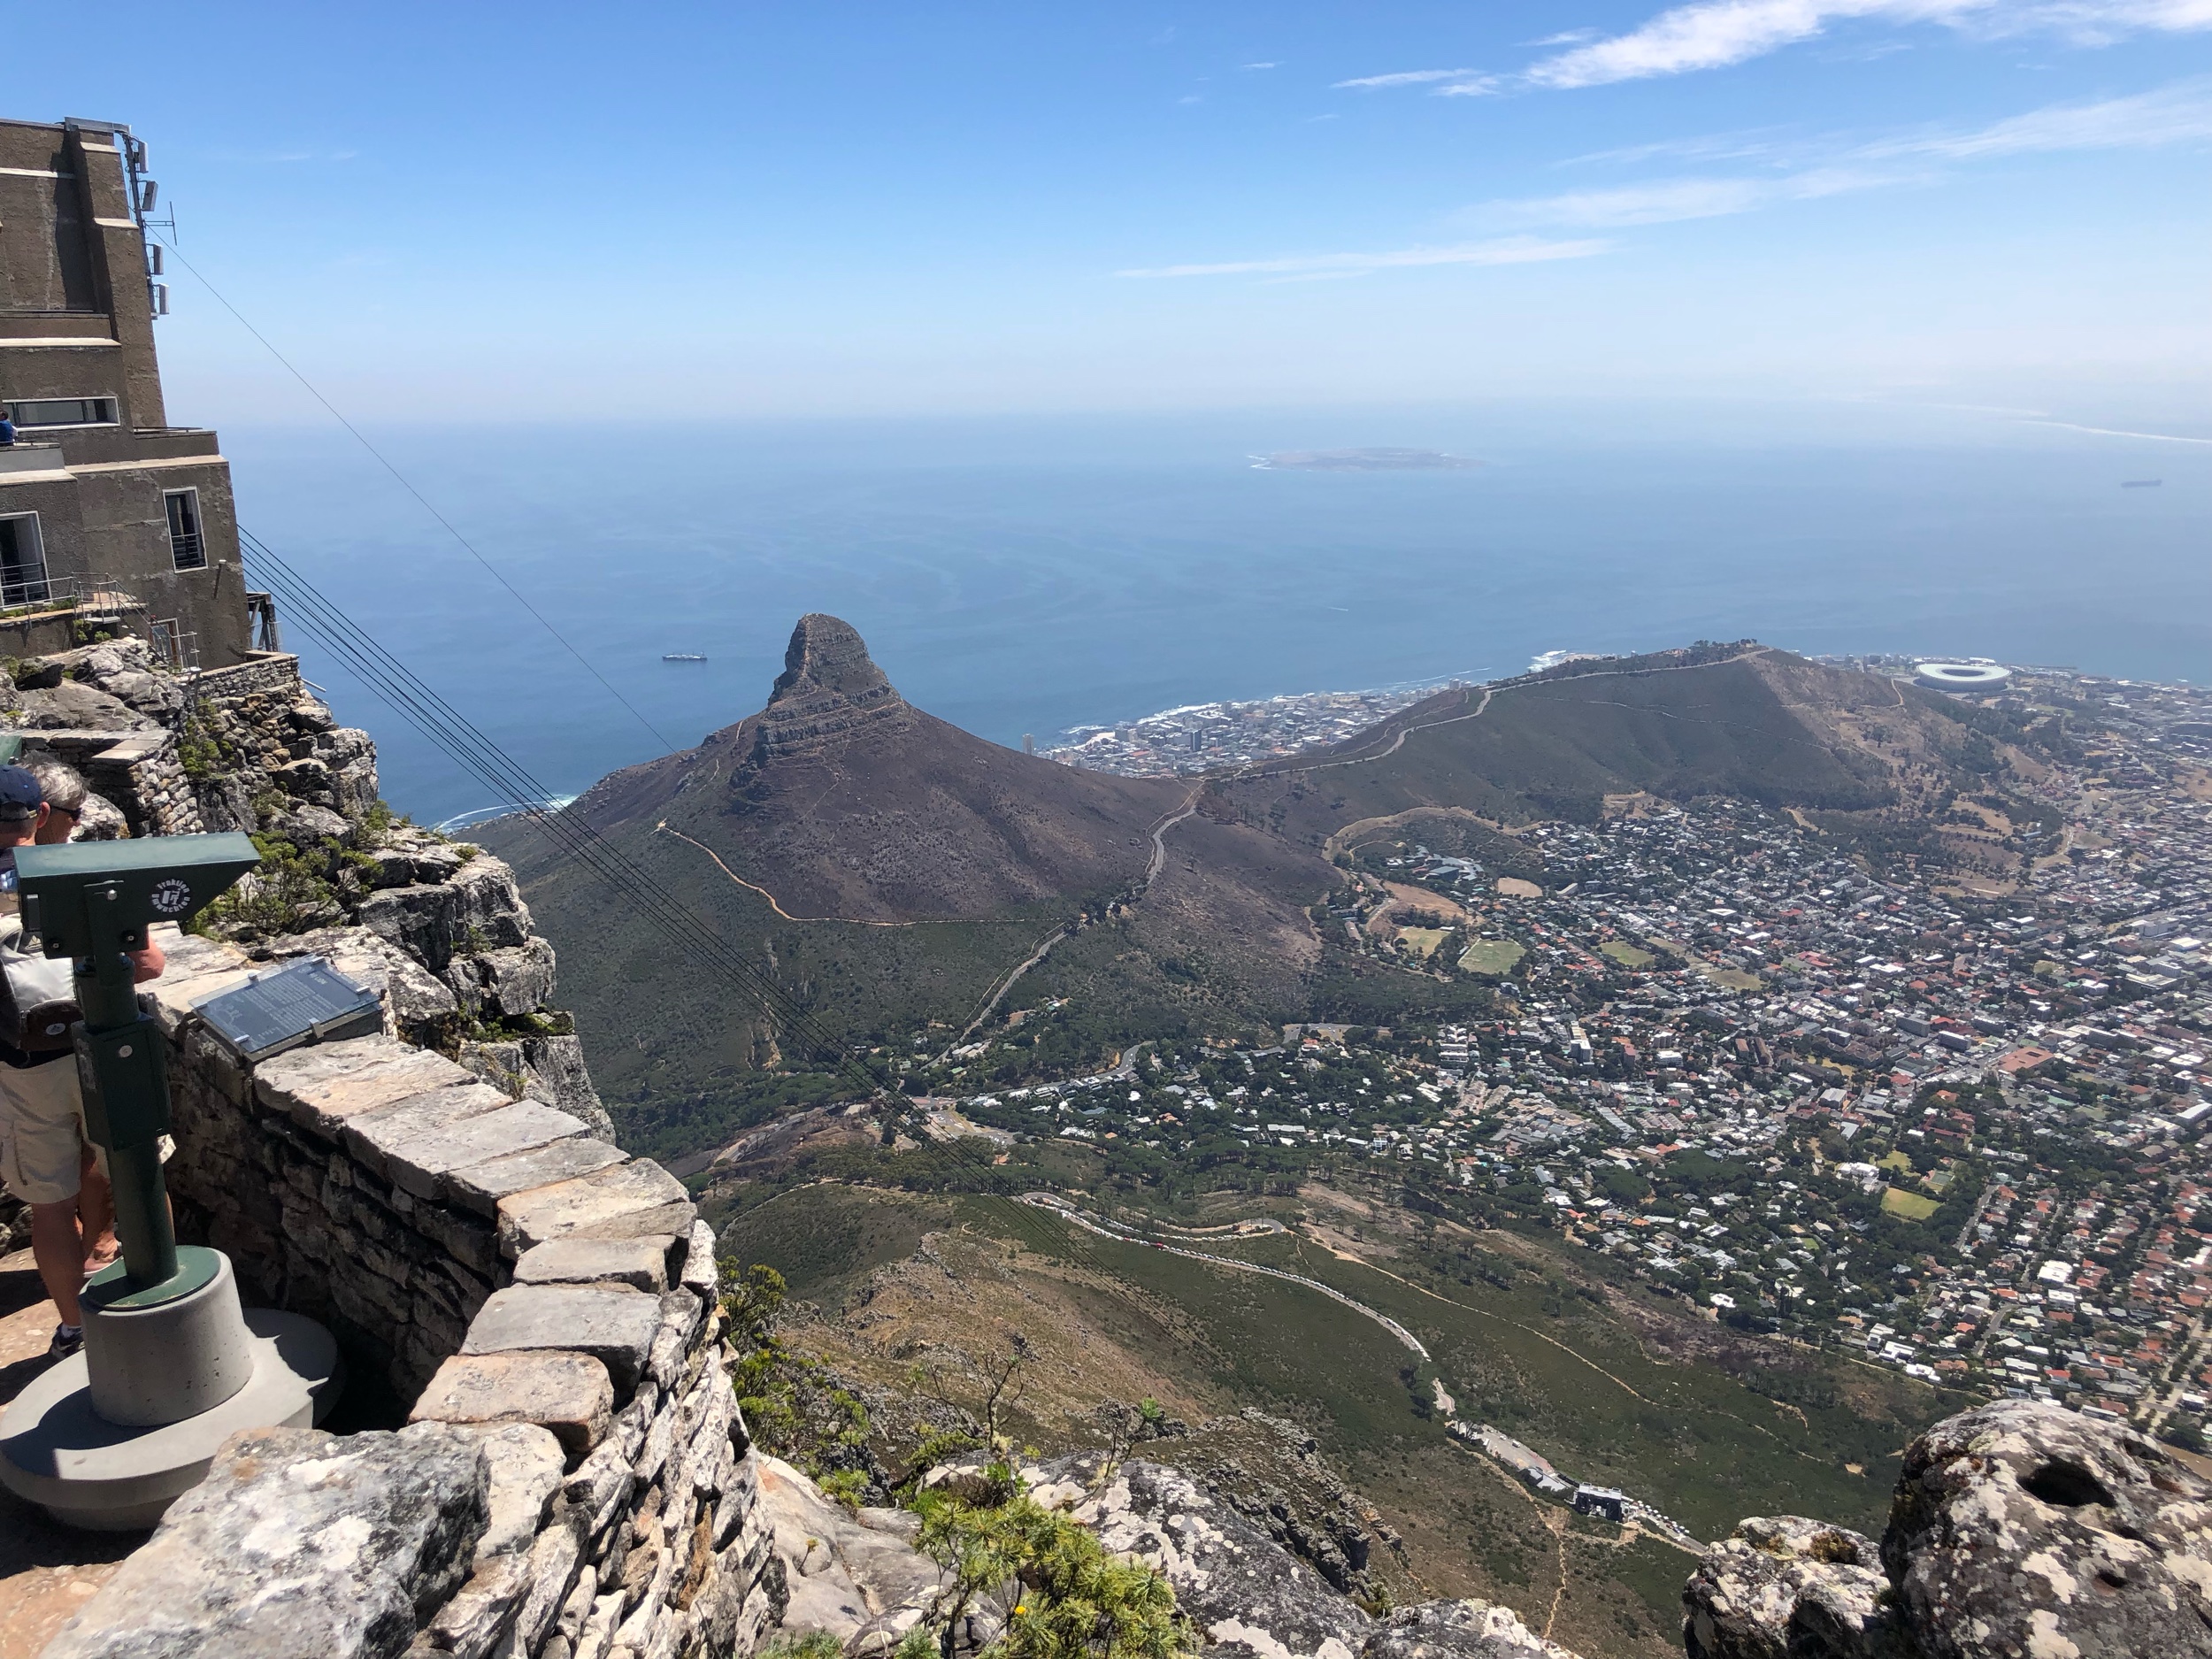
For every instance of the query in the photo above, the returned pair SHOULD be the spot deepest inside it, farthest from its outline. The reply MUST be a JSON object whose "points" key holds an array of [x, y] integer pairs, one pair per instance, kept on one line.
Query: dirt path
{"points": [[990, 1006], [662, 828], [1480, 1313]]}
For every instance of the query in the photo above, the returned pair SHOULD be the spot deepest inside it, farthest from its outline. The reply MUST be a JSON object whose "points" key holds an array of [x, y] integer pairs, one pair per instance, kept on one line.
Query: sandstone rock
{"points": [[305, 825], [1458, 1629], [416, 1156], [547, 1068], [2023, 1528], [627, 1200], [323, 1086], [296, 1543], [569, 1395], [1245, 1594], [700, 1273], [524, 1467], [406, 1127], [642, 1263], [1785, 1587], [842, 1571], [614, 1326], [829, 686], [74, 706], [481, 1187]]}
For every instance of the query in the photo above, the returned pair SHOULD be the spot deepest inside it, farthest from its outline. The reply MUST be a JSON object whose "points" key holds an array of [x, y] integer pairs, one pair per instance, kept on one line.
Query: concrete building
{"points": [[107, 510]]}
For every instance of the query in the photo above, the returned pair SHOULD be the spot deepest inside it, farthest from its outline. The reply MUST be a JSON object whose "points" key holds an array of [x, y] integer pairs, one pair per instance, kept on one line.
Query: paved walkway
{"points": [[46, 1572]]}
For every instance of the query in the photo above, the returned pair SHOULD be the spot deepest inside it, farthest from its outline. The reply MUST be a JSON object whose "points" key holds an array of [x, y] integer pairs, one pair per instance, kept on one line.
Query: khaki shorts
{"points": [[42, 1131]]}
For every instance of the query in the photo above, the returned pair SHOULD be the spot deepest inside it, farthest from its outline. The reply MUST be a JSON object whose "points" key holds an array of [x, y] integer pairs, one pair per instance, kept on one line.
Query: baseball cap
{"points": [[21, 793]]}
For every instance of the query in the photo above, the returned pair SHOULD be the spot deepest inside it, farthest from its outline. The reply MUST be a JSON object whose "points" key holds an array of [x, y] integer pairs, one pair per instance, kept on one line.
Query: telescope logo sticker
{"points": [[172, 898]]}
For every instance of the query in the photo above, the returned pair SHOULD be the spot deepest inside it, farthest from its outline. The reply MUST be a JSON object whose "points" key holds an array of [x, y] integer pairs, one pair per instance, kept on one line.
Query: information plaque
{"points": [[304, 1002]]}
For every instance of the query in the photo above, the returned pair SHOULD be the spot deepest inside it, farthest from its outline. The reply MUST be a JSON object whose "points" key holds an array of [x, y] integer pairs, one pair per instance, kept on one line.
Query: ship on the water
{"points": [[683, 657]]}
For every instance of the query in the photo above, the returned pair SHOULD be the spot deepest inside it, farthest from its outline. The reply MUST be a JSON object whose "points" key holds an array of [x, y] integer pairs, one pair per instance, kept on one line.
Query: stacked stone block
{"points": [[582, 1486]]}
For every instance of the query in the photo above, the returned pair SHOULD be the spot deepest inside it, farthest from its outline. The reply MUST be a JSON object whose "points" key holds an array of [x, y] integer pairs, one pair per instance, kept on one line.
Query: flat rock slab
{"points": [[614, 1326], [626, 1201], [479, 1186], [570, 1395], [322, 1085], [642, 1263], [418, 1155], [296, 1543], [525, 1464], [409, 1123]]}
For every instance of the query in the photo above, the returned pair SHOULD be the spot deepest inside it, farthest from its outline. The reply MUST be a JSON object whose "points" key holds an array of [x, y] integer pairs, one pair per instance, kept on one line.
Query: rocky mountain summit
{"points": [[2019, 1531], [829, 686]]}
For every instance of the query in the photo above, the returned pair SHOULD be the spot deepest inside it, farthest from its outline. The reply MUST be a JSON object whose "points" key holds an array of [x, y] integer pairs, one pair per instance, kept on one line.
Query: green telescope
{"points": [[93, 902]]}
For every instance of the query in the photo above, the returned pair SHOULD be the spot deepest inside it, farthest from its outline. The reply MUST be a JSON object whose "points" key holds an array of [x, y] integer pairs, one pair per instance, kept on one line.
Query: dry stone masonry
{"points": [[573, 1481]]}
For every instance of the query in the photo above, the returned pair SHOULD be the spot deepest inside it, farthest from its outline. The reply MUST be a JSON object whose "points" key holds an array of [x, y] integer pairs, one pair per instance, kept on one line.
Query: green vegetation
{"points": [[792, 1407], [1912, 1206], [1068, 1598], [1493, 957]]}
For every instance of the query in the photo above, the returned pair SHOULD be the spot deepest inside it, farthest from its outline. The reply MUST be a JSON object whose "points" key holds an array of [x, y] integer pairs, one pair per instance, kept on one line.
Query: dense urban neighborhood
{"points": [[1939, 1103], [1204, 736]]}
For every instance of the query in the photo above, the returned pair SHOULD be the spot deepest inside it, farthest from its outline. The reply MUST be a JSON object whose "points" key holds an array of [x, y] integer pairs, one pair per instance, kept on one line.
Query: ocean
{"points": [[1025, 576]]}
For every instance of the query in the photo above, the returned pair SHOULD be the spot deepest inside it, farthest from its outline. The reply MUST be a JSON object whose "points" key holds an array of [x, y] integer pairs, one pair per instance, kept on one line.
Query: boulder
{"points": [[297, 1542], [1783, 1587], [2021, 1528], [1249, 1598], [844, 1570], [1459, 1630]]}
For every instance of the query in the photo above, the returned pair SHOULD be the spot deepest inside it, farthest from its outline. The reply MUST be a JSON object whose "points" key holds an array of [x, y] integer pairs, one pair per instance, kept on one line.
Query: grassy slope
{"points": [[1555, 749], [1655, 1411]]}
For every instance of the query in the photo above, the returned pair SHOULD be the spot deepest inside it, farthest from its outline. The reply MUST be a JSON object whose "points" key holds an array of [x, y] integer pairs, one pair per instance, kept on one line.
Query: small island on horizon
{"points": [[1363, 461]]}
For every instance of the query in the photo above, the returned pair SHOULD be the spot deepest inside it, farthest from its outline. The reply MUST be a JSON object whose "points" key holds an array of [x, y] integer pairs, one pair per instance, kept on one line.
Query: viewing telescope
{"points": [[172, 1364], [93, 901]]}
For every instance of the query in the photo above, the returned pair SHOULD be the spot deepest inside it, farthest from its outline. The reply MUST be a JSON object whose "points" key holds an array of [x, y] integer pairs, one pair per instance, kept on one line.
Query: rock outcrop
{"points": [[298, 1542], [2020, 1531], [830, 686]]}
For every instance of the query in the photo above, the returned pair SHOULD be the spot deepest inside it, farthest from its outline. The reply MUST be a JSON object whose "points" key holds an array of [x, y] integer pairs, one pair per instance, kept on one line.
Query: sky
{"points": [[561, 214]]}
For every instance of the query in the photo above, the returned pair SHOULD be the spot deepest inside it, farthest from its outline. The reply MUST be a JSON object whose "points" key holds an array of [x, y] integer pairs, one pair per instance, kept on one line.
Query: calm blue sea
{"points": [[1023, 576]]}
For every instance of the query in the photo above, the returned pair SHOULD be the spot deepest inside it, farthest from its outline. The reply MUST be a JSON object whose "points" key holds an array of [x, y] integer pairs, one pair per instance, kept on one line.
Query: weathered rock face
{"points": [[2019, 1531], [1245, 1594], [1459, 1630], [829, 686], [1784, 1587], [298, 1542], [2025, 1529]]}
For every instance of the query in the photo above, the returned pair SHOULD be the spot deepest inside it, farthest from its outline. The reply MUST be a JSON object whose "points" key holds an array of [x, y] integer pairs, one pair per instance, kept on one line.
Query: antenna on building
{"points": [[153, 258], [147, 190]]}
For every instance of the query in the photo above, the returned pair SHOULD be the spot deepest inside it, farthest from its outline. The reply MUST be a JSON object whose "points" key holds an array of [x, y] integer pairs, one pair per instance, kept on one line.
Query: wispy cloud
{"points": [[1480, 87], [1716, 33], [1250, 66], [1502, 251], [1674, 200], [2172, 115], [1571, 37], [1404, 77]]}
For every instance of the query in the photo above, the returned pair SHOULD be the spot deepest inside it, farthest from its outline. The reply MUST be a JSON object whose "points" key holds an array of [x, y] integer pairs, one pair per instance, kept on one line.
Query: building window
{"points": [[186, 549], [22, 561], [29, 412]]}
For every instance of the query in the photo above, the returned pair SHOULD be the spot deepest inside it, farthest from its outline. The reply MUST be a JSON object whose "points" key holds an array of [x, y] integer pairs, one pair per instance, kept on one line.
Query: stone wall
{"points": [[574, 1480]]}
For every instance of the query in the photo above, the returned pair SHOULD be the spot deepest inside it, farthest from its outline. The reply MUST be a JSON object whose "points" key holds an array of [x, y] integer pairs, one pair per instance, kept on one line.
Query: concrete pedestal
{"points": [[159, 1362], [109, 1438]]}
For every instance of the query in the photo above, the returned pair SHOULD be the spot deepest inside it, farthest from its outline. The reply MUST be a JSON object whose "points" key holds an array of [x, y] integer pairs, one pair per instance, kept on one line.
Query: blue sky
{"points": [[552, 211]]}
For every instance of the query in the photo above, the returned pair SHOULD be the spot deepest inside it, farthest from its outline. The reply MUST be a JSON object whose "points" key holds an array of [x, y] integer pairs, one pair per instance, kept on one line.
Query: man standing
{"points": [[42, 1108]]}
